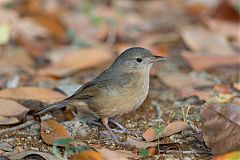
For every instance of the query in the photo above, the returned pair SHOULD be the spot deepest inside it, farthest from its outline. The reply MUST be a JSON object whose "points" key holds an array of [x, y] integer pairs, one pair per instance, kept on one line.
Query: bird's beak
{"points": [[157, 58]]}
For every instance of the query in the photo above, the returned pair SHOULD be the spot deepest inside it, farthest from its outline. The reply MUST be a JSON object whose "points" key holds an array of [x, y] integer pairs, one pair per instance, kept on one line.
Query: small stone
{"points": [[29, 138], [34, 148]]}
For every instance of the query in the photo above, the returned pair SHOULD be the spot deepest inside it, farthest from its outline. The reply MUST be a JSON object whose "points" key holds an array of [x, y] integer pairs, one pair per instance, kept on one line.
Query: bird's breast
{"points": [[117, 100]]}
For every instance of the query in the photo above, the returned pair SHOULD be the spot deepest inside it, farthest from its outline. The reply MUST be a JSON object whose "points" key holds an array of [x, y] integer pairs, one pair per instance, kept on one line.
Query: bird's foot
{"points": [[123, 129]]}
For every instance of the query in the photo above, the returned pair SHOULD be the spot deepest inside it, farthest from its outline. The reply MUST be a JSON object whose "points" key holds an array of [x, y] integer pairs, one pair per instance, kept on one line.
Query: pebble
{"points": [[29, 138], [34, 148]]}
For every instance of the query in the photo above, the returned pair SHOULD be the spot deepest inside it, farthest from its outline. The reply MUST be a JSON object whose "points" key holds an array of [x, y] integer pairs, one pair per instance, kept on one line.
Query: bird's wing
{"points": [[101, 84]]}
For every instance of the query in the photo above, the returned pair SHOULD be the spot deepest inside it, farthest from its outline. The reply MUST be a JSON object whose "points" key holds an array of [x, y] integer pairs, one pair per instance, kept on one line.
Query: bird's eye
{"points": [[139, 60]]}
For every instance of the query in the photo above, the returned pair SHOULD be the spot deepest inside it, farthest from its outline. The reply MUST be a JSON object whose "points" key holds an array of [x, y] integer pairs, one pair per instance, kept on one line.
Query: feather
{"points": [[54, 106]]}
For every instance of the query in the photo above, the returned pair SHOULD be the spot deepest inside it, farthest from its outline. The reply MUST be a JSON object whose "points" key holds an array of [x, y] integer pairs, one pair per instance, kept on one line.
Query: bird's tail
{"points": [[51, 107]]}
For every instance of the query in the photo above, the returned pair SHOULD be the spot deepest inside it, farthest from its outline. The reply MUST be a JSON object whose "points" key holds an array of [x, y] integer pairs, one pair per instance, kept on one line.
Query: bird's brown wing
{"points": [[101, 85]]}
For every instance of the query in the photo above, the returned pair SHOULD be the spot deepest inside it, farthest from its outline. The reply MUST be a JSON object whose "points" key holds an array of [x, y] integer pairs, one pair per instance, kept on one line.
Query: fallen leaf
{"points": [[226, 10], [221, 88], [152, 150], [172, 128], [184, 80], [226, 28], [141, 144], [71, 61], [22, 155], [189, 91], [14, 60], [221, 126], [236, 86], [4, 146], [206, 41], [203, 62], [32, 93], [228, 156], [11, 108], [49, 20], [51, 131], [117, 154], [54, 25], [20, 26], [11, 112], [89, 154]]}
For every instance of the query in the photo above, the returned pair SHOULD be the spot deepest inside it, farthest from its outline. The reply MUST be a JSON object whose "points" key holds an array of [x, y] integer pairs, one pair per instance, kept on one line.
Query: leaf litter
{"points": [[78, 39]]}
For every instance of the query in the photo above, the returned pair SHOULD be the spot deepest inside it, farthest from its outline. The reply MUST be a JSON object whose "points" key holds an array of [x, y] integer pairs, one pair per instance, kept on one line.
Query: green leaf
{"points": [[144, 153], [63, 141], [159, 130], [59, 142], [76, 149]]}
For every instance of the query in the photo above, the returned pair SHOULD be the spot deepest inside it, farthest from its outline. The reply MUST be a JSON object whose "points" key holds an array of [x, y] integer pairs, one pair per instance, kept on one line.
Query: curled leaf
{"points": [[221, 126], [32, 93], [152, 134], [51, 131], [89, 154], [11, 112]]}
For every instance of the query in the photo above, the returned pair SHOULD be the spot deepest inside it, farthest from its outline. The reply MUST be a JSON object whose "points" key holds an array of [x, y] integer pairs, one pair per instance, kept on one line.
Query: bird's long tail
{"points": [[54, 106]]}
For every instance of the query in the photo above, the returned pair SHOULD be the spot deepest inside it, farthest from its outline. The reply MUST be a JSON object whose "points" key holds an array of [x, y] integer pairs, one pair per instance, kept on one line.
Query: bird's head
{"points": [[136, 59]]}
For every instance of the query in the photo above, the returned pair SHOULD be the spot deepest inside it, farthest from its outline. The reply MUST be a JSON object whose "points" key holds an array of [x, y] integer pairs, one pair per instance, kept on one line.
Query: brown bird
{"points": [[120, 89]]}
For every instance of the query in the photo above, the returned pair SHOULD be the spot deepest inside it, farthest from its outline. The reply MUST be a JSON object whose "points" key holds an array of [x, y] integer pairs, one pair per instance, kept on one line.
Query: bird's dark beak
{"points": [[157, 59]]}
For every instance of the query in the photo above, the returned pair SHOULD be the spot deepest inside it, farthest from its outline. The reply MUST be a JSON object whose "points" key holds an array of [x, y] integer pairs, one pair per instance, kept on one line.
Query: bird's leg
{"points": [[105, 123], [123, 129]]}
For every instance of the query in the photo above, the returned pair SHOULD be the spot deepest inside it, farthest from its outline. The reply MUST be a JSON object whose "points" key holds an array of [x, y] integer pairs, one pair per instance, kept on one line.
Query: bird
{"points": [[117, 91]]}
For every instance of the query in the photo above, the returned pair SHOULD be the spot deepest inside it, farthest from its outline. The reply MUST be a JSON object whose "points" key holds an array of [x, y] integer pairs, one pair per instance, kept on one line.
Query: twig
{"points": [[158, 108], [26, 124], [186, 152], [185, 114]]}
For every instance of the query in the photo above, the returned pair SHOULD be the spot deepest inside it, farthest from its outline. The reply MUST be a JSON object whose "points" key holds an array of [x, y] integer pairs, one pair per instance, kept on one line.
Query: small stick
{"points": [[24, 125], [186, 152], [158, 108]]}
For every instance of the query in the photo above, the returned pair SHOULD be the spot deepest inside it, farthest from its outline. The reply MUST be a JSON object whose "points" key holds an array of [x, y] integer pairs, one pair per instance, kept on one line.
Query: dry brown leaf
{"points": [[11, 108], [184, 80], [87, 155], [22, 155], [141, 144], [51, 131], [20, 26], [203, 62], [150, 134], [118, 154], [8, 120], [172, 128], [189, 91], [49, 20], [221, 126], [15, 59], [226, 28], [71, 61], [236, 86], [54, 25], [221, 88], [226, 10], [201, 40], [152, 150], [32, 93], [11, 112]]}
